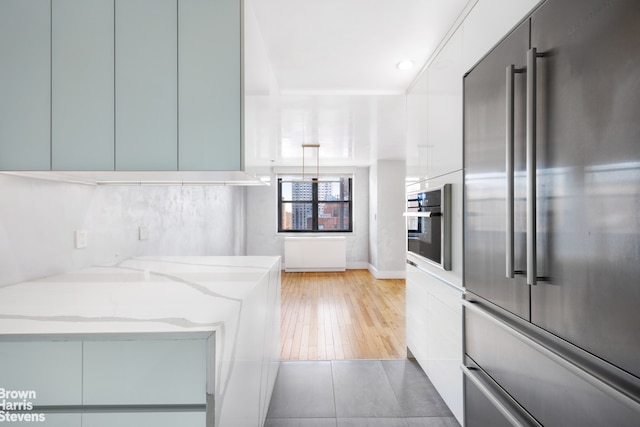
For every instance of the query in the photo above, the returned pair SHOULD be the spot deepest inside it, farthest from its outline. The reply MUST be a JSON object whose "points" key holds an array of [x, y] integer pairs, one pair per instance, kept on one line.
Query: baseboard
{"points": [[387, 274], [356, 265]]}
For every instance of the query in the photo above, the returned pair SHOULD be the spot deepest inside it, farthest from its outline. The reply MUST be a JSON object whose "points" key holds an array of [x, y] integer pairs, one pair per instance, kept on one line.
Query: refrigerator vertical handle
{"points": [[509, 169], [532, 56]]}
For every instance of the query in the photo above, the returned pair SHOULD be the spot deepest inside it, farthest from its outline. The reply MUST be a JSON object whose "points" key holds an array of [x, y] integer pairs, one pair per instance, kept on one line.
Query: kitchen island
{"points": [[162, 341]]}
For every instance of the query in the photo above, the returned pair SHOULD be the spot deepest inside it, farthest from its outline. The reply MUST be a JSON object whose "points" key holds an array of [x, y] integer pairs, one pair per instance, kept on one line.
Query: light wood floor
{"points": [[350, 315]]}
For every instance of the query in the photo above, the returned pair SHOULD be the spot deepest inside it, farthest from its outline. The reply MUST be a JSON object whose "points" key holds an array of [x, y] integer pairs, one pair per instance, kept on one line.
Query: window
{"points": [[320, 205]]}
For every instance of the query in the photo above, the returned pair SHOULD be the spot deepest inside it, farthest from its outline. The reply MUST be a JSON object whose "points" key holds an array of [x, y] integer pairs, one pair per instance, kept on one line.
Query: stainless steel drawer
{"points": [[555, 388]]}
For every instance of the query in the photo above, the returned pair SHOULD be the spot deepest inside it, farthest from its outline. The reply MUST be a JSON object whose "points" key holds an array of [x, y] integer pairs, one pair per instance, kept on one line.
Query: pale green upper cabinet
{"points": [[209, 82], [82, 79], [25, 114], [126, 85], [146, 67]]}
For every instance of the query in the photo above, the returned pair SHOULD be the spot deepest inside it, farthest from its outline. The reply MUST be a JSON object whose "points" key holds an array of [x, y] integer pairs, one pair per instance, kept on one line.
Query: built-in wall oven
{"points": [[429, 226]]}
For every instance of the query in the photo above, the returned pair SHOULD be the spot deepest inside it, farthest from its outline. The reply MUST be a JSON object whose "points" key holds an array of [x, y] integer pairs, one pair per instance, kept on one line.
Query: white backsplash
{"points": [[38, 219]]}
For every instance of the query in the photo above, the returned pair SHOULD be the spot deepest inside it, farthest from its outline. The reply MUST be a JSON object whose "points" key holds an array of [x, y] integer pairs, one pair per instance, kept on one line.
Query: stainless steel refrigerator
{"points": [[552, 220]]}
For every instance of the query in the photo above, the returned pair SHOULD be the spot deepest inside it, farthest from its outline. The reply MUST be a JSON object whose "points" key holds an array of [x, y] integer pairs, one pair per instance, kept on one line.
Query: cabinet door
{"points": [[25, 85], [417, 322], [210, 107], [146, 84], [485, 184], [82, 85], [416, 133], [444, 122]]}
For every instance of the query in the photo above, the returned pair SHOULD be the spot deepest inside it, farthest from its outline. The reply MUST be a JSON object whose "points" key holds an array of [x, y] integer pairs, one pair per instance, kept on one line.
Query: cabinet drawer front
{"points": [[53, 370], [132, 419], [480, 412], [144, 372], [553, 394]]}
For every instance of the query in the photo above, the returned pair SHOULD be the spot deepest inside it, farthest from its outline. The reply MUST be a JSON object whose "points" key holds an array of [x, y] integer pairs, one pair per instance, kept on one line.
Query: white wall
{"points": [[373, 215], [262, 222], [38, 219], [387, 241]]}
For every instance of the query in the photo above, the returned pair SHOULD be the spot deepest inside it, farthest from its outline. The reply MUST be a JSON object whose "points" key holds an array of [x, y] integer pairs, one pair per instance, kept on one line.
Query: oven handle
{"points": [[422, 214]]}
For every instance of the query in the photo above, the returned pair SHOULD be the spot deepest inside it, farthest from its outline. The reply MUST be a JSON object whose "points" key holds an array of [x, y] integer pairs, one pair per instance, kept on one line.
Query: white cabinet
{"points": [[444, 110], [434, 103], [209, 105], [146, 80], [484, 27], [417, 298], [434, 333], [418, 151], [434, 116], [25, 85], [82, 79], [444, 343]]}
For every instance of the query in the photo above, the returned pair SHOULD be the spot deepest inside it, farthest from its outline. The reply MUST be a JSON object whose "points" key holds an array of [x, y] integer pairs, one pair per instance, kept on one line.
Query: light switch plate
{"points": [[81, 239], [143, 233]]}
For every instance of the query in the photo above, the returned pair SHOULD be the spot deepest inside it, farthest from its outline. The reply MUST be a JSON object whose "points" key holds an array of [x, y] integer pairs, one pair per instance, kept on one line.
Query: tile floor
{"points": [[355, 393]]}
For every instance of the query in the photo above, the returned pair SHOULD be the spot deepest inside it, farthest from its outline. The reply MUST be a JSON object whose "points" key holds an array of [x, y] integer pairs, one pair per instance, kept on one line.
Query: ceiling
{"points": [[324, 71]]}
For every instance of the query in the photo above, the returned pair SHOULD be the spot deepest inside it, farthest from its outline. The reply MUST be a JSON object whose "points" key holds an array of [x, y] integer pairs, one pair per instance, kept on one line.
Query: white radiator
{"points": [[315, 253]]}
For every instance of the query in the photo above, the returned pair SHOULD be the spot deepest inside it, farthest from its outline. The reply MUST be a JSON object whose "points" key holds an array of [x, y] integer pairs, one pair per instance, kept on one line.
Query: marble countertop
{"points": [[136, 295]]}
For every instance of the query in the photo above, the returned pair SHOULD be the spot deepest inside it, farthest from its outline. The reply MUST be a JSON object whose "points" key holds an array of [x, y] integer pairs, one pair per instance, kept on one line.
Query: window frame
{"points": [[315, 203]]}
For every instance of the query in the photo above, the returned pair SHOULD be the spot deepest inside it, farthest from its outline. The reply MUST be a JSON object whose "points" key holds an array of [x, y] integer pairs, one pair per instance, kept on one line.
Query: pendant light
{"points": [[312, 146]]}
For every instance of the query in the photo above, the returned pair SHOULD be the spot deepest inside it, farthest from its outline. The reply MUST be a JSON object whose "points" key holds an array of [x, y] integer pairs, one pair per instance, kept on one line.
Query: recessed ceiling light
{"points": [[404, 65]]}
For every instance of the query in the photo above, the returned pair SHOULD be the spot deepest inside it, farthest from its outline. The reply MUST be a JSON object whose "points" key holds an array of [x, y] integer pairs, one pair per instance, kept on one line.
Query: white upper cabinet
{"points": [[82, 78], [25, 65], [484, 28], [146, 81], [417, 148], [444, 109], [209, 83]]}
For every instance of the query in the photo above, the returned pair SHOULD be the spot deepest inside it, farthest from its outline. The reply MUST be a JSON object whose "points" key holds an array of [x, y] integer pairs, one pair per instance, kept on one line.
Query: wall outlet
{"points": [[143, 233], [81, 239]]}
